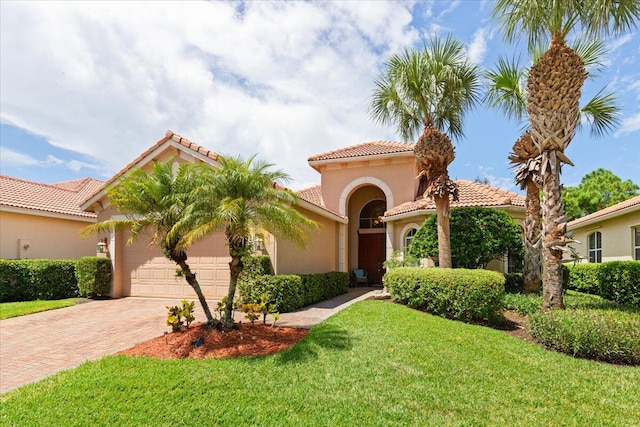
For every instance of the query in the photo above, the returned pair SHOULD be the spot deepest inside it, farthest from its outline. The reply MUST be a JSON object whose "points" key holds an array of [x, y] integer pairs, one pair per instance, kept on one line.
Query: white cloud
{"points": [[478, 47], [619, 42], [13, 159], [107, 79], [452, 5], [629, 125]]}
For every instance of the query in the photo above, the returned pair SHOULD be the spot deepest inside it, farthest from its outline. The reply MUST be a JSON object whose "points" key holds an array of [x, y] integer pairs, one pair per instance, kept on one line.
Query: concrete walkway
{"points": [[36, 346]]}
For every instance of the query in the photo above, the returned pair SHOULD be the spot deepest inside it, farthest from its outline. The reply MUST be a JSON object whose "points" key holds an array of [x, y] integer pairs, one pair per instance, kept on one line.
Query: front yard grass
{"points": [[15, 309], [375, 363]]}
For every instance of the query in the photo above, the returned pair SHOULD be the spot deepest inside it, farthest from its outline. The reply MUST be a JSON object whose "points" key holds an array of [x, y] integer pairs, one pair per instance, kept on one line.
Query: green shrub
{"points": [[254, 267], [583, 278], [605, 335], [514, 282], [94, 276], [33, 279], [285, 291], [523, 304], [290, 292], [620, 281], [453, 293]]}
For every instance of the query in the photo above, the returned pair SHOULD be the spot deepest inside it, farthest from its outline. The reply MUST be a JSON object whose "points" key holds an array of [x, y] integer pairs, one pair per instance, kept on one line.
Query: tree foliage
{"points": [[478, 235], [597, 190]]}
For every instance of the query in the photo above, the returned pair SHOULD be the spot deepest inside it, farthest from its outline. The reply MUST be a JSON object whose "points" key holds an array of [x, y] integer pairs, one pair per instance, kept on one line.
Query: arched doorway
{"points": [[372, 239]]}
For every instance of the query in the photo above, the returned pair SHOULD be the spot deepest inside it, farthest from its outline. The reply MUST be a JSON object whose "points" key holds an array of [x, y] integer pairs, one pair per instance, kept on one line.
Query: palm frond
{"points": [[507, 88], [602, 113]]}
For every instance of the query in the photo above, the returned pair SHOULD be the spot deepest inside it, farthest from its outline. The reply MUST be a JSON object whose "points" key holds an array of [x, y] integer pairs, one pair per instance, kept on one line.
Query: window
{"points": [[514, 264], [636, 243], [371, 214], [408, 238], [595, 247]]}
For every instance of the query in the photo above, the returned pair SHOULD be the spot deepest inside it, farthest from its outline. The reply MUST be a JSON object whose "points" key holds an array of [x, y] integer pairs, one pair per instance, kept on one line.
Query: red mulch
{"points": [[245, 340]]}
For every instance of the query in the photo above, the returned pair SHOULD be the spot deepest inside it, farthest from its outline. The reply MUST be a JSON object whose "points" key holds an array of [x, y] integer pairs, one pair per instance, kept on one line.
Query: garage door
{"points": [[147, 273]]}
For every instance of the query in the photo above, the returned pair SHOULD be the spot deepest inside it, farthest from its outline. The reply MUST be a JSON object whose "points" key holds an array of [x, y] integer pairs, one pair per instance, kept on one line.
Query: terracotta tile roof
{"points": [[471, 194], [169, 135], [61, 198], [630, 204], [365, 149], [312, 195]]}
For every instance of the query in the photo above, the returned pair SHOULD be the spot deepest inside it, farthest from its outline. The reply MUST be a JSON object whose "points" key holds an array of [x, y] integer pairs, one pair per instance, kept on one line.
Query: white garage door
{"points": [[148, 273]]}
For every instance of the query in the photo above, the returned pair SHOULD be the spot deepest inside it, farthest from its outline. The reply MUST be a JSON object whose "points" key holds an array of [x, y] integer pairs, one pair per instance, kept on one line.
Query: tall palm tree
{"points": [[507, 92], [554, 87], [430, 90], [155, 203], [241, 198]]}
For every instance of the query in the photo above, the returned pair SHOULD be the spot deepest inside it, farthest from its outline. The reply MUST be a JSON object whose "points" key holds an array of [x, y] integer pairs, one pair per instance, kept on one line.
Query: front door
{"points": [[371, 255]]}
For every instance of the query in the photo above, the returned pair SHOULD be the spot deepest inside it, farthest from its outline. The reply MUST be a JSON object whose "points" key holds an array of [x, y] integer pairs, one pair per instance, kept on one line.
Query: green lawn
{"points": [[375, 363], [532, 303], [15, 309]]}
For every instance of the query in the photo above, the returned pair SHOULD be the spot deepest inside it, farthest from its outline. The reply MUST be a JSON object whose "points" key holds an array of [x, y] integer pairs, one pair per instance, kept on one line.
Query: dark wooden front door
{"points": [[371, 255]]}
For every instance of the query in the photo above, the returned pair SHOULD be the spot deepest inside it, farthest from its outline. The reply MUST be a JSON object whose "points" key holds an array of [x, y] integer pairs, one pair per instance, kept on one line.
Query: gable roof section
{"points": [[56, 200], [170, 139], [360, 151], [471, 194], [618, 209], [312, 195]]}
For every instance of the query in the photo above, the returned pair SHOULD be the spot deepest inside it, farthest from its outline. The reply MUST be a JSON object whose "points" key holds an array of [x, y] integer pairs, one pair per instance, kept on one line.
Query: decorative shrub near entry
{"points": [[453, 293], [94, 276], [291, 292]]}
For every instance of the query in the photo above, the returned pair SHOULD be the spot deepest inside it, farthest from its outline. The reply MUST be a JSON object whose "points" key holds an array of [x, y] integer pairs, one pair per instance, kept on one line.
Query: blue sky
{"points": [[85, 87]]}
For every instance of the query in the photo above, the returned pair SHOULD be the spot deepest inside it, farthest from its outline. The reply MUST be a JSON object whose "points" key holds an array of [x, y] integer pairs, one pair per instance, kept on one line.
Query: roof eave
{"points": [[46, 214], [317, 163], [321, 211], [162, 145], [579, 224]]}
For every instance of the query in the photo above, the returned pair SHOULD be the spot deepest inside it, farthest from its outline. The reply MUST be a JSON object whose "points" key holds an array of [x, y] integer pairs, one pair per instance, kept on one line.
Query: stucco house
{"points": [[610, 234], [44, 220], [366, 205]]}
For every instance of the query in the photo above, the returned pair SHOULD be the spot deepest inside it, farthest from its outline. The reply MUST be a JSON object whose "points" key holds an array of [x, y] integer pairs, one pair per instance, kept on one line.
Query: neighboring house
{"points": [[610, 234], [366, 207], [44, 220]]}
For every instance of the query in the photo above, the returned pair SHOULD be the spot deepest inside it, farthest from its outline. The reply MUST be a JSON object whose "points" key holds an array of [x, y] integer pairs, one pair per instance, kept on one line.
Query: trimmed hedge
{"points": [[617, 281], [291, 292], [459, 294], [94, 276], [605, 335], [620, 282], [254, 268], [33, 279], [584, 278]]}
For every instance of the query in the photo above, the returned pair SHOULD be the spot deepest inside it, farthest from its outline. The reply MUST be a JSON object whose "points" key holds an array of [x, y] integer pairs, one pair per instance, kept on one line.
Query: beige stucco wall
{"points": [[617, 237], [396, 173], [320, 255], [52, 238]]}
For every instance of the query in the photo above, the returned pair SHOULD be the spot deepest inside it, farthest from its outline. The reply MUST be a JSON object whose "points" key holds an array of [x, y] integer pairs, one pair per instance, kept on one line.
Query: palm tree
{"points": [[155, 203], [241, 198], [430, 90], [507, 92], [554, 87]]}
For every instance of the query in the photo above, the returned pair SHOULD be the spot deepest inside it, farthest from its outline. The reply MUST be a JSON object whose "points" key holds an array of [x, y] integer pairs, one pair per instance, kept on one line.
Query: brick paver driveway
{"points": [[39, 345]]}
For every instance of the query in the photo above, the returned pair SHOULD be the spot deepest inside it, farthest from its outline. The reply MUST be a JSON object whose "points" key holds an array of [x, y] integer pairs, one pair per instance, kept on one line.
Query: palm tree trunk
{"points": [[191, 280], [554, 230], [532, 270], [235, 267], [444, 239]]}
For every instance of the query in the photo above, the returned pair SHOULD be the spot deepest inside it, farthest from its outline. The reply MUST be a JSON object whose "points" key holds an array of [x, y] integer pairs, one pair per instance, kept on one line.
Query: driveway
{"points": [[39, 345]]}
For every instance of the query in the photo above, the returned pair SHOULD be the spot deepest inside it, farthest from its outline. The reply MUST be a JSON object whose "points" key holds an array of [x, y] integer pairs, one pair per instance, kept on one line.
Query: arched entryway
{"points": [[372, 240], [367, 235]]}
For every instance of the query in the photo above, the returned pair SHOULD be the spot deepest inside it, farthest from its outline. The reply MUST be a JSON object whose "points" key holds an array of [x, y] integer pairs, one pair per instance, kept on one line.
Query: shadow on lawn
{"points": [[323, 336]]}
